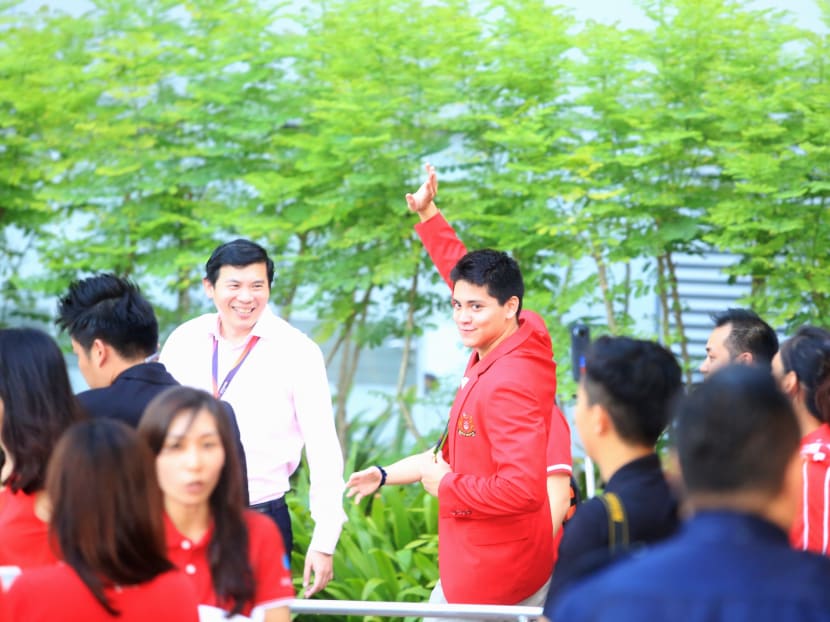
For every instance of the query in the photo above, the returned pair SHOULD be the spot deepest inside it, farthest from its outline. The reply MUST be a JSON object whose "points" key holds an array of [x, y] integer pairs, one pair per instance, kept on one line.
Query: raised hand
{"points": [[422, 201]]}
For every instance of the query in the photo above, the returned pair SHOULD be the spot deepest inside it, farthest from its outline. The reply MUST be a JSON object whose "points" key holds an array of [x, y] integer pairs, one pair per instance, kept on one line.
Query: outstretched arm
{"points": [[406, 471], [438, 237]]}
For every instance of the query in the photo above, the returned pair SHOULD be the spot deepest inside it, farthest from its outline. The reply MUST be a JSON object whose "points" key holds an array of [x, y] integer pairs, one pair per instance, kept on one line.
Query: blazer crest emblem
{"points": [[466, 425]]}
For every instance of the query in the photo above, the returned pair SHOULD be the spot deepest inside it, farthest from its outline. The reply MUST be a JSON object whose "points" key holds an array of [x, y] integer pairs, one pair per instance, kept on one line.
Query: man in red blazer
{"points": [[495, 543]]}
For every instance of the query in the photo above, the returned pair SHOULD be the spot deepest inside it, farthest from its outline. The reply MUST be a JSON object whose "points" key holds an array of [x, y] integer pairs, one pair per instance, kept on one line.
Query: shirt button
{"points": [[186, 545], [190, 569]]}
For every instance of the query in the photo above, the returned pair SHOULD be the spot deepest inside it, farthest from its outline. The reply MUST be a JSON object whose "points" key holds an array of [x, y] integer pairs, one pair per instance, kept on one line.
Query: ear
{"points": [[511, 307], [99, 353], [600, 420], [790, 384], [745, 358], [208, 287]]}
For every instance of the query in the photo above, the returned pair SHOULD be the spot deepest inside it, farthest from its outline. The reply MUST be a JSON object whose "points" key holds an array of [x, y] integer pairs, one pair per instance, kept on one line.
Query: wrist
{"points": [[428, 212], [383, 475]]}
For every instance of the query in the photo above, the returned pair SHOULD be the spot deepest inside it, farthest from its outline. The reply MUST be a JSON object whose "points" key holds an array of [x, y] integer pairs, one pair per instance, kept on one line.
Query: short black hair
{"points": [[636, 381], [238, 253], [496, 270], [736, 433], [749, 333], [807, 353], [112, 309]]}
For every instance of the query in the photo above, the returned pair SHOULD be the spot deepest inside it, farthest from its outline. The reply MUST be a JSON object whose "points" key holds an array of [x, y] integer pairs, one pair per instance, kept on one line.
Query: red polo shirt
{"points": [[811, 530], [272, 578], [24, 538], [56, 592]]}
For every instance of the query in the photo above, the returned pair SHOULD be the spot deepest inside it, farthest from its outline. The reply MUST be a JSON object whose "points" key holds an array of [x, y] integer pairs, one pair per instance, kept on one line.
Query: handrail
{"points": [[398, 609]]}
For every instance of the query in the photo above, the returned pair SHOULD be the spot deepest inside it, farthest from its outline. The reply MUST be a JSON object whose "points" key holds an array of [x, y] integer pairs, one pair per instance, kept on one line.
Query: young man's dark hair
{"points": [[496, 270], [636, 381], [112, 309], [749, 333], [238, 253], [736, 433]]}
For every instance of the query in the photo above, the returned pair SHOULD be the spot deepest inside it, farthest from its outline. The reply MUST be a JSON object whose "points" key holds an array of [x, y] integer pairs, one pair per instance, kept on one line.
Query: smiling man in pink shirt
{"points": [[274, 376]]}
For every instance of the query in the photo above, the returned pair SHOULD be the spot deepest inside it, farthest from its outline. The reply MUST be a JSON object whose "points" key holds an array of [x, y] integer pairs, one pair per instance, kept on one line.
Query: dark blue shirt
{"points": [[722, 567], [651, 513]]}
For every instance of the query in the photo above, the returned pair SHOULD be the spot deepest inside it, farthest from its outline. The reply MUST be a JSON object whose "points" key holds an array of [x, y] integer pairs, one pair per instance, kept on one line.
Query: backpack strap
{"points": [[617, 522]]}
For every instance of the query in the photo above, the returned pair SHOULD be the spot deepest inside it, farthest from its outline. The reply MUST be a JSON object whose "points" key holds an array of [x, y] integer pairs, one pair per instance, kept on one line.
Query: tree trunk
{"points": [[677, 309]]}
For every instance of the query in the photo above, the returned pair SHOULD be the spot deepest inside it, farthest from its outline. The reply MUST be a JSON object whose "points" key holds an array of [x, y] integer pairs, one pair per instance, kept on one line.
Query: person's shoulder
{"points": [[198, 324], [260, 527], [57, 576], [91, 398], [283, 333], [274, 324]]}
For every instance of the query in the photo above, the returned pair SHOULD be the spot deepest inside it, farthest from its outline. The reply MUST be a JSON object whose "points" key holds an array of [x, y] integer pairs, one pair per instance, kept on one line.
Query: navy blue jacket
{"points": [[722, 567], [127, 397], [651, 512]]}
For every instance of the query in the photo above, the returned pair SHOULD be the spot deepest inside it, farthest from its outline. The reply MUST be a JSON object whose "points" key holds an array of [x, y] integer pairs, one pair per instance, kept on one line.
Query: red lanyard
{"points": [[219, 390]]}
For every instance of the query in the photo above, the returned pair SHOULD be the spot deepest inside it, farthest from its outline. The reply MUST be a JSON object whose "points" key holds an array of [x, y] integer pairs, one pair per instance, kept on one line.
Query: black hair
{"points": [[107, 507], [736, 433], [748, 333], [496, 270], [807, 353], [112, 309], [38, 404], [238, 253], [230, 566], [636, 381]]}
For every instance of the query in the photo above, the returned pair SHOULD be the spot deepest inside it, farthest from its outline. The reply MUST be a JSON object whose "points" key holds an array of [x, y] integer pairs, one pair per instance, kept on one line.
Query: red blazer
{"points": [[495, 542]]}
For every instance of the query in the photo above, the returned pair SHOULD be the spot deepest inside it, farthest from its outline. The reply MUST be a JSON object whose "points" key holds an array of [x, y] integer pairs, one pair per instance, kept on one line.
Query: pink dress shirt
{"points": [[282, 401]]}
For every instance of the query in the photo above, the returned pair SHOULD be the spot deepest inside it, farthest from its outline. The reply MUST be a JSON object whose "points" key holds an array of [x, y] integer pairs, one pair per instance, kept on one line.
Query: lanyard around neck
{"points": [[219, 390]]}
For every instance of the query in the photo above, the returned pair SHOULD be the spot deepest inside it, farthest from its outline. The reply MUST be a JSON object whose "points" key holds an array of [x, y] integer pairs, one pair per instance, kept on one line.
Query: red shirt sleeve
{"points": [[559, 444], [442, 244]]}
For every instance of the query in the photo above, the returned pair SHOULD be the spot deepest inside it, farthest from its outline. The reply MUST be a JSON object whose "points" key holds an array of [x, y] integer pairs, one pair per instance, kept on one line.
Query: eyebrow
{"points": [[176, 437]]}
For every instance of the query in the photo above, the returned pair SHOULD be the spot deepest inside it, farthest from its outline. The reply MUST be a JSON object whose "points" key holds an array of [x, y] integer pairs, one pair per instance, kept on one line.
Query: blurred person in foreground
{"points": [[738, 445], [106, 519], [36, 407]]}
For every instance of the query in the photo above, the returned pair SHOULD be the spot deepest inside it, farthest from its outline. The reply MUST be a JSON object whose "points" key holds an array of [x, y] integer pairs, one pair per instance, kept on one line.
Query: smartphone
{"points": [[580, 341]]}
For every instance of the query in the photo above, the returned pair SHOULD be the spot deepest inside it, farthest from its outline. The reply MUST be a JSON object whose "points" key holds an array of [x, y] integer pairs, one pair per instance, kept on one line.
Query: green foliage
{"points": [[388, 550], [135, 137]]}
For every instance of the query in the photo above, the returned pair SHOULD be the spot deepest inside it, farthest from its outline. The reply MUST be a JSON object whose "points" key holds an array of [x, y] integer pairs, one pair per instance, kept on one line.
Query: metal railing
{"points": [[400, 610]]}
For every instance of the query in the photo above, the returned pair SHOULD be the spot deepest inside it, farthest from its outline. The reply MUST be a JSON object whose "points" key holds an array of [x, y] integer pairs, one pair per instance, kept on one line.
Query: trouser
{"points": [[437, 597], [278, 511]]}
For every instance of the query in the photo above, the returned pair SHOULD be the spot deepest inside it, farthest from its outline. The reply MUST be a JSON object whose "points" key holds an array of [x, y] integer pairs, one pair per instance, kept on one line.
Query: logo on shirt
{"points": [[466, 426]]}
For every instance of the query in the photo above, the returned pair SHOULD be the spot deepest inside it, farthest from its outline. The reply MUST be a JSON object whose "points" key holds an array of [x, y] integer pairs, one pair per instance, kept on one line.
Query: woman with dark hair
{"points": [[106, 519], [802, 369], [36, 406], [234, 556]]}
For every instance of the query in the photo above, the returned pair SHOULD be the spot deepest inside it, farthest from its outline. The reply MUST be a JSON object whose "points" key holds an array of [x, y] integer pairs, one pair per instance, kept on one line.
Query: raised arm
{"points": [[437, 235]]}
